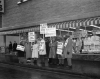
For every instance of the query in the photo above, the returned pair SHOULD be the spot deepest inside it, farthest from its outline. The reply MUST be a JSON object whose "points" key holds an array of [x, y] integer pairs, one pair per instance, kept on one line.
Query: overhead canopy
{"points": [[16, 31], [59, 25], [76, 23]]}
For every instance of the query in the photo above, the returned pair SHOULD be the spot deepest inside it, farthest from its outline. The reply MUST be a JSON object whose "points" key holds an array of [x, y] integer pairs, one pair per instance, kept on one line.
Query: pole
{"points": [[5, 42], [43, 36], [60, 32], [68, 30]]}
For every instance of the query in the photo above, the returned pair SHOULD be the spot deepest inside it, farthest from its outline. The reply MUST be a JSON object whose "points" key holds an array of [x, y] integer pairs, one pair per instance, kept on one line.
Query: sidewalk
{"points": [[80, 67], [79, 70], [49, 68]]}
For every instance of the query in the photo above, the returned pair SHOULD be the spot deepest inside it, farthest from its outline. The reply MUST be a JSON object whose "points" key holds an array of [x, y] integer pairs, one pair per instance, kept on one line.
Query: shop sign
{"points": [[20, 47], [98, 32], [2, 48], [50, 32], [31, 36], [83, 33], [77, 34], [23, 36], [42, 28], [94, 31]]}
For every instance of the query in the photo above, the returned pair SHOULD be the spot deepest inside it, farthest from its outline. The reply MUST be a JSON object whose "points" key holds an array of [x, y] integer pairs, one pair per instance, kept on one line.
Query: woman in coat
{"points": [[52, 53], [28, 50], [35, 53]]}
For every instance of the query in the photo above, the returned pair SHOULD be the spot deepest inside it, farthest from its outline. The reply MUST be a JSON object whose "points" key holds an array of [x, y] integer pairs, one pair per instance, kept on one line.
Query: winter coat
{"points": [[53, 48], [68, 49], [35, 53], [28, 50]]}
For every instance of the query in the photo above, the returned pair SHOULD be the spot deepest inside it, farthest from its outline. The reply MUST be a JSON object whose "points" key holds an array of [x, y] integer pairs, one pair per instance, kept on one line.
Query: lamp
{"points": [[25, 0]]}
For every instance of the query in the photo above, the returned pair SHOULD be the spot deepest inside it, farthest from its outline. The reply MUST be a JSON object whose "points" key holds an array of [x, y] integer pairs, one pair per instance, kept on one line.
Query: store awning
{"points": [[59, 25], [77, 23], [16, 31]]}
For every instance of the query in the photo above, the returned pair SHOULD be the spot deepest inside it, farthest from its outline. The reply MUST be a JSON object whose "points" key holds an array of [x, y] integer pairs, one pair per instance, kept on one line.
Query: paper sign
{"points": [[50, 32], [31, 36], [20, 47], [42, 28], [41, 45], [60, 45], [59, 51], [60, 48], [2, 49]]}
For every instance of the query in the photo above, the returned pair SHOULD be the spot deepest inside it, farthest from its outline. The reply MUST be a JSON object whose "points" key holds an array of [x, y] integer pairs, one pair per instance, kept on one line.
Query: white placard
{"points": [[50, 32], [20, 47], [31, 36], [60, 48], [41, 45], [42, 28], [59, 51]]}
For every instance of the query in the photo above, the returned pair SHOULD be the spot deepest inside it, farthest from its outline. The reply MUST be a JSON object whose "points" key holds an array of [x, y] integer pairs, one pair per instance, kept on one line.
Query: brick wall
{"points": [[41, 11]]}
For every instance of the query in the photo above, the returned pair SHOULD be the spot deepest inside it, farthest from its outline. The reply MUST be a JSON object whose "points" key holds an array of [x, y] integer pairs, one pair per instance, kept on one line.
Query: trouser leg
{"points": [[39, 61], [46, 61], [69, 61], [51, 60], [62, 61], [59, 61]]}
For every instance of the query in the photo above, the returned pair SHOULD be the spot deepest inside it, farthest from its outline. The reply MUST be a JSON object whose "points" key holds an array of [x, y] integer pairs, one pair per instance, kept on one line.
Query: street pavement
{"points": [[15, 72], [89, 69]]}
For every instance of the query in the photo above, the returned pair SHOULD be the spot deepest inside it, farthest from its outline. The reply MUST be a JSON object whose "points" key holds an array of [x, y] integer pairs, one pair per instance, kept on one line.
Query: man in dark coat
{"points": [[10, 46], [14, 46], [47, 52], [68, 50]]}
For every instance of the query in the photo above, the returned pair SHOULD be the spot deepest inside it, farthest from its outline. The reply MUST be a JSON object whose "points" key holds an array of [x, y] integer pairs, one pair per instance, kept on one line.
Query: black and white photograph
{"points": [[49, 39]]}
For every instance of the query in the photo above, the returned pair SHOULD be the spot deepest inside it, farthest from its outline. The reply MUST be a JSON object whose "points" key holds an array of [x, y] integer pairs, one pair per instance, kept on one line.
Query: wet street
{"points": [[22, 73]]}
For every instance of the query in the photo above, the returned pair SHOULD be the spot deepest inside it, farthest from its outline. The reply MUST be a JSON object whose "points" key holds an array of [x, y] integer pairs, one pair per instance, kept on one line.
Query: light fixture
{"points": [[64, 30], [72, 27], [95, 26], [25, 0], [19, 2]]}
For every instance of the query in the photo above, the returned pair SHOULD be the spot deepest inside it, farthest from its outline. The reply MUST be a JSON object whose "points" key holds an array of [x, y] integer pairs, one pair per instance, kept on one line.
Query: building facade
{"points": [[35, 12], [20, 16]]}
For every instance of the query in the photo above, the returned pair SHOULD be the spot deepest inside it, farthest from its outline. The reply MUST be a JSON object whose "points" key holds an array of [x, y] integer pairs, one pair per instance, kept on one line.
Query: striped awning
{"points": [[60, 25], [76, 23]]}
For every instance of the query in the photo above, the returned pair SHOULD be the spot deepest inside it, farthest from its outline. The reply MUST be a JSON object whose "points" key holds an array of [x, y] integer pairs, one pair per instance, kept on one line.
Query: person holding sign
{"points": [[52, 53], [28, 50], [60, 45], [21, 51], [42, 51], [35, 54]]}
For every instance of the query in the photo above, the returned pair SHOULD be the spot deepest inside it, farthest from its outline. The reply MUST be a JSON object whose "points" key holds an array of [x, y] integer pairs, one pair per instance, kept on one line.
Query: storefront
{"points": [[87, 26]]}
